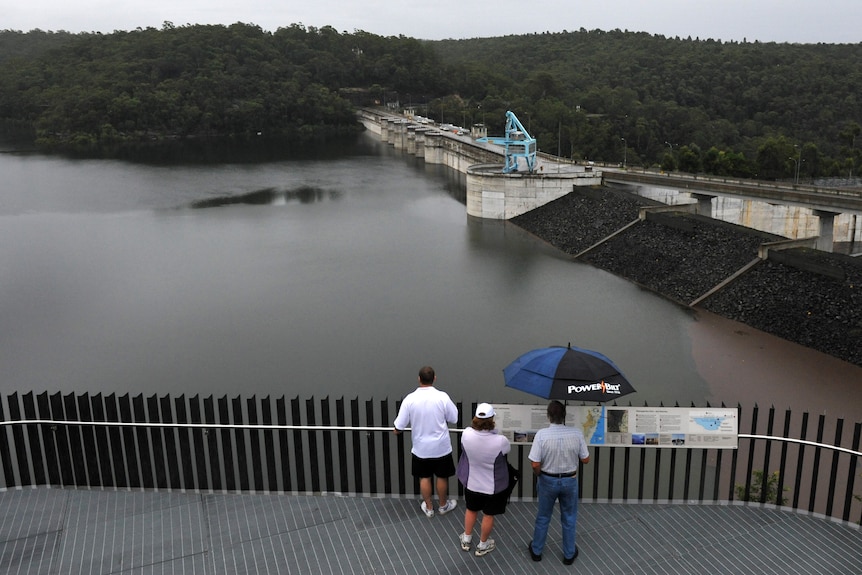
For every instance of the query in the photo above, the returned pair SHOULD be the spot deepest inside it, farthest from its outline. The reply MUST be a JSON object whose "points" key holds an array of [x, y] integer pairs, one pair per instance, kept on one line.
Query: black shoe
{"points": [[533, 555], [571, 559]]}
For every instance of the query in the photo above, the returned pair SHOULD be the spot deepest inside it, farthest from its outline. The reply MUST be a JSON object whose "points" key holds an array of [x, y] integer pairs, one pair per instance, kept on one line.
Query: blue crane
{"points": [[519, 144]]}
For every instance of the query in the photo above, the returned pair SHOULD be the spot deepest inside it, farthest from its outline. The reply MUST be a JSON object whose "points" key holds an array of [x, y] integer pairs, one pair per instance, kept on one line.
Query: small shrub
{"points": [[755, 491]]}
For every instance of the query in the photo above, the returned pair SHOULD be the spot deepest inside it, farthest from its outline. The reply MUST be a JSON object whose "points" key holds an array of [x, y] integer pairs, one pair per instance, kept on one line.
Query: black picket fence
{"points": [[346, 446]]}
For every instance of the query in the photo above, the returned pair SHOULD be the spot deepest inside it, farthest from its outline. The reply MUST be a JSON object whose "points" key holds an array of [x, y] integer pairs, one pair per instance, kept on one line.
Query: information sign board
{"points": [[682, 427]]}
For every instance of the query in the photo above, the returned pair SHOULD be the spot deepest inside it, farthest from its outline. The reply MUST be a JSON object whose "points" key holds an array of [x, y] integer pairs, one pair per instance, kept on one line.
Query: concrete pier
{"points": [[492, 194]]}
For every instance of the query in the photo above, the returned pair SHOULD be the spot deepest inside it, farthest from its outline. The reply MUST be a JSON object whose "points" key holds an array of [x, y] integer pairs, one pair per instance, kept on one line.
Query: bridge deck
{"points": [[836, 200], [87, 531]]}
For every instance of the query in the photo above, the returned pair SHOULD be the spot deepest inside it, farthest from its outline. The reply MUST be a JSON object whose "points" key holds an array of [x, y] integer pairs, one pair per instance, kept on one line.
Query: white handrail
{"points": [[341, 428], [801, 441]]}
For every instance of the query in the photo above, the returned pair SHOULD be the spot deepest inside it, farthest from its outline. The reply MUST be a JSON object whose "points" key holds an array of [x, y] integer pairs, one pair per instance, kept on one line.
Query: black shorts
{"points": [[440, 466], [487, 504]]}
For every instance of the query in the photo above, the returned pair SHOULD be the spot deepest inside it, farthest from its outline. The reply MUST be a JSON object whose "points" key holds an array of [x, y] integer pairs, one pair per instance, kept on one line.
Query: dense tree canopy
{"points": [[199, 81], [709, 105], [743, 109]]}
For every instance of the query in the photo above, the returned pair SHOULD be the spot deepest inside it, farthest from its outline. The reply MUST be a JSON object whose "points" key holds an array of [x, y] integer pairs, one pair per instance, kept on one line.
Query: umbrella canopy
{"points": [[567, 373]]}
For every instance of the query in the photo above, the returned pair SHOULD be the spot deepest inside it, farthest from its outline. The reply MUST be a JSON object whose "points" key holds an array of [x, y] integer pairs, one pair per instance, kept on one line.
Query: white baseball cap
{"points": [[485, 410]]}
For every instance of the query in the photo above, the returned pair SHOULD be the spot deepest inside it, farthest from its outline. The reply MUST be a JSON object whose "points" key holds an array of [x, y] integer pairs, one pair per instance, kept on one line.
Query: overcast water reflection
{"points": [[336, 276]]}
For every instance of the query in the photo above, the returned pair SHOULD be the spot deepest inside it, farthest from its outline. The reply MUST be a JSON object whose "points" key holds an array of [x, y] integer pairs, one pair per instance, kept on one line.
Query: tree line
{"points": [[749, 109], [87, 90], [763, 110]]}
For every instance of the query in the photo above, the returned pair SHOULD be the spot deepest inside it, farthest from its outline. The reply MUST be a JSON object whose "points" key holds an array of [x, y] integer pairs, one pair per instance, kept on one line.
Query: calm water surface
{"points": [[336, 276]]}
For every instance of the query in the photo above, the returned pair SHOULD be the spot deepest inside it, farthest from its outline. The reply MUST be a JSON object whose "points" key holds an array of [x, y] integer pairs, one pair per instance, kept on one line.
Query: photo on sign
{"points": [[618, 420]]}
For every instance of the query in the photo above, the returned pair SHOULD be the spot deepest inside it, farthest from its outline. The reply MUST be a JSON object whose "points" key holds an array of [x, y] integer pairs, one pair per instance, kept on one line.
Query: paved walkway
{"points": [[71, 531]]}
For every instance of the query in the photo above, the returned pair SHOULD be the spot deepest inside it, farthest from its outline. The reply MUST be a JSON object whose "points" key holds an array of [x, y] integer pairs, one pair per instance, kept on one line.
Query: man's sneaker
{"points": [[426, 511], [484, 549], [450, 505], [465, 541]]}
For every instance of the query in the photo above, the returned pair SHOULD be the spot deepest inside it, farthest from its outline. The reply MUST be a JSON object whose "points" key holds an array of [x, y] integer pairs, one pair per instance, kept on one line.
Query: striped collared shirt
{"points": [[559, 448]]}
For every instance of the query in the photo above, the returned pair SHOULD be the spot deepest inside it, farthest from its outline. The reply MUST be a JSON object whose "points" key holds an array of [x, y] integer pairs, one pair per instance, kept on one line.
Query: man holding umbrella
{"points": [[571, 374], [556, 452]]}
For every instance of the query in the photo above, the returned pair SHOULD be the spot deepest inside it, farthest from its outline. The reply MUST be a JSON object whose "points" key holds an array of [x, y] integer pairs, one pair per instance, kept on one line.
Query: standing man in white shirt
{"points": [[427, 411]]}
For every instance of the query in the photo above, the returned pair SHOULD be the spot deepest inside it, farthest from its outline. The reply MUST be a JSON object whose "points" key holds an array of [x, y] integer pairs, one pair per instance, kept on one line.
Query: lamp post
{"points": [[798, 164], [625, 150]]}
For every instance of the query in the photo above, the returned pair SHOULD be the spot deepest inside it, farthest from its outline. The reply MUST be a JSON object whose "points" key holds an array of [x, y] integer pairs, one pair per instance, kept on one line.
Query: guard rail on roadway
{"points": [[835, 200]]}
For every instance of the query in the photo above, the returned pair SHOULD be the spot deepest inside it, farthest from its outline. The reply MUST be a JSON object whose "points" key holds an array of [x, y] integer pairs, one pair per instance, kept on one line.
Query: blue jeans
{"points": [[551, 489]]}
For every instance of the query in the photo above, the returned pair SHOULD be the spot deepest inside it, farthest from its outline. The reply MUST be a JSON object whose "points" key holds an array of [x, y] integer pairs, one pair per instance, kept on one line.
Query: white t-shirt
{"points": [[427, 411]]}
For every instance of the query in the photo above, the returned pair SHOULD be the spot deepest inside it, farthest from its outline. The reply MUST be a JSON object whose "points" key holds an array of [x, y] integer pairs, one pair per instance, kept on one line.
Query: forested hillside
{"points": [[744, 109], [725, 108], [94, 89]]}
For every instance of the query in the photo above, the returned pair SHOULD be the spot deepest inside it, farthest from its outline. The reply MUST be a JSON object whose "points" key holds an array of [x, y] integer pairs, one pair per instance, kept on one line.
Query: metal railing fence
{"points": [[346, 446]]}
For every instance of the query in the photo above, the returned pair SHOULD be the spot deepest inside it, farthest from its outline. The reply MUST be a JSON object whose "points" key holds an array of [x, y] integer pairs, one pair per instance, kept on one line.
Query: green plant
{"points": [[760, 481]]}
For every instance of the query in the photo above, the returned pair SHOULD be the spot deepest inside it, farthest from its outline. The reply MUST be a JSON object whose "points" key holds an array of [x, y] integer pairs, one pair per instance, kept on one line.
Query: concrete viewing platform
{"points": [[87, 531]]}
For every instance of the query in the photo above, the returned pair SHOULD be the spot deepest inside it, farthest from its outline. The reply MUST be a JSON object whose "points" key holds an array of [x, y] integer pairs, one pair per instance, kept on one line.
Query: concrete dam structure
{"points": [[491, 193], [798, 212]]}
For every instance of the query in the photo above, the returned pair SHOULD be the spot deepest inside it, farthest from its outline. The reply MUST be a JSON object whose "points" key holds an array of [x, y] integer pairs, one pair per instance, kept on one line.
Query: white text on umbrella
{"points": [[601, 386]]}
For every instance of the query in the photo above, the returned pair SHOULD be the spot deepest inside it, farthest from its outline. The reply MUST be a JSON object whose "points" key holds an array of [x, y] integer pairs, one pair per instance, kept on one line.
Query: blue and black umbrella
{"points": [[567, 373]]}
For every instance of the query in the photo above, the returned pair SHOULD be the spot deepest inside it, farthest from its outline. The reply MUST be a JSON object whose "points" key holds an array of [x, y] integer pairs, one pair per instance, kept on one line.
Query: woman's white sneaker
{"points": [[485, 548]]}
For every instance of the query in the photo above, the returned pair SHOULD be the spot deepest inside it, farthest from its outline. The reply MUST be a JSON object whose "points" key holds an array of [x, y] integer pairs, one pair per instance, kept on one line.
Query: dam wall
{"points": [[491, 194]]}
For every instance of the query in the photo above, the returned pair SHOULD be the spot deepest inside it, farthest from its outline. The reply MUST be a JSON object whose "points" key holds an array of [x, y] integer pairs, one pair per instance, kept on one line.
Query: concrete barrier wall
{"points": [[433, 148], [494, 195]]}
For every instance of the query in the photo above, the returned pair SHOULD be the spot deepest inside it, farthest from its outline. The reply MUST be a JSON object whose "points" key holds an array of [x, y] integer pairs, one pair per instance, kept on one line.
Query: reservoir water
{"points": [[338, 275]]}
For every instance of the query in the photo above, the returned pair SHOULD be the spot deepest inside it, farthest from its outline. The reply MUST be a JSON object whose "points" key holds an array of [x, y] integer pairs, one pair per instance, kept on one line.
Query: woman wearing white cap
{"points": [[484, 473]]}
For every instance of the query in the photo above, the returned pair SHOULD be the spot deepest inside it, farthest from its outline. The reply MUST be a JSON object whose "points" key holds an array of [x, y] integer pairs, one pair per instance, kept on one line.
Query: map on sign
{"points": [[708, 421], [677, 427], [593, 424]]}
